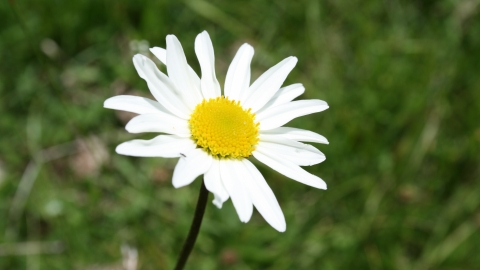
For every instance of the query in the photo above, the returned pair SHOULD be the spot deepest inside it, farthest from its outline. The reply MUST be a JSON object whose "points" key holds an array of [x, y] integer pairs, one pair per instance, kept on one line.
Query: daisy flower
{"points": [[214, 134]]}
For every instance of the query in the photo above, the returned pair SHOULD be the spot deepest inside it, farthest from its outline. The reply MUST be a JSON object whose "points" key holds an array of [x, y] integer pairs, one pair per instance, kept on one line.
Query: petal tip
{"points": [[280, 226], [171, 38], [138, 58], [128, 127], [120, 149], [247, 46], [107, 104], [217, 204], [176, 183]]}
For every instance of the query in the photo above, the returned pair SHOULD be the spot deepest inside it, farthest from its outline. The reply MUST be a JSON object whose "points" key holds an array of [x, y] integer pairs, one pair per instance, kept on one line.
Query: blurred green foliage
{"points": [[402, 81]]}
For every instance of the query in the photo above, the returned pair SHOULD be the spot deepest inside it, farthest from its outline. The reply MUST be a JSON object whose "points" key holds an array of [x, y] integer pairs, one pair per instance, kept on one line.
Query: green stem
{"points": [[194, 229]]}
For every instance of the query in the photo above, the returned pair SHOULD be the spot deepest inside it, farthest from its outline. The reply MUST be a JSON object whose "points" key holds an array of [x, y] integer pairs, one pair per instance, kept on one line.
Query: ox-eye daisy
{"points": [[214, 134]]}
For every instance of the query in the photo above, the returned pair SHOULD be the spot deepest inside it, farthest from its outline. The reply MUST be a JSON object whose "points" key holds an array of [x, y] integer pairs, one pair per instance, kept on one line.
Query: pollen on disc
{"points": [[224, 129]]}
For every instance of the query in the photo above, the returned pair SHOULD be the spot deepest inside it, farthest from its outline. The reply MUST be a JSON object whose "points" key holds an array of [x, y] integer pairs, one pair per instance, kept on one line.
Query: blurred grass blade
{"points": [[31, 248], [219, 17]]}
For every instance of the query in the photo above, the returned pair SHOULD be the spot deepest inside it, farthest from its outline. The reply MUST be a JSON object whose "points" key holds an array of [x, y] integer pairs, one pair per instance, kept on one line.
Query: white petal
{"points": [[237, 81], [289, 169], [161, 87], [302, 155], [178, 71], [133, 104], [168, 146], [263, 89], [213, 182], [159, 122], [293, 151], [284, 95], [233, 174], [297, 134], [282, 114], [263, 198], [195, 163], [204, 50], [160, 53]]}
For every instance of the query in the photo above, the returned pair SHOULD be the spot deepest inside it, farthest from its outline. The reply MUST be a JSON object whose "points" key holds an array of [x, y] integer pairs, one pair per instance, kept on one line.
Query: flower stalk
{"points": [[194, 229]]}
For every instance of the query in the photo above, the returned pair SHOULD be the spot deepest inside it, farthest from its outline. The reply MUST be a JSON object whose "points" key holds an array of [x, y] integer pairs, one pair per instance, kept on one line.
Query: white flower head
{"points": [[214, 134]]}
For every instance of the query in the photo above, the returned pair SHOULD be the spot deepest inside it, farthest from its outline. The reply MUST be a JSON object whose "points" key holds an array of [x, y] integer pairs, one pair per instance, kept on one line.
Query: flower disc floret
{"points": [[224, 129]]}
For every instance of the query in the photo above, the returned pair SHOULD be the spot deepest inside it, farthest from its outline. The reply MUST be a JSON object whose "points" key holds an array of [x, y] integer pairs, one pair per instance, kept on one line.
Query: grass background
{"points": [[403, 169]]}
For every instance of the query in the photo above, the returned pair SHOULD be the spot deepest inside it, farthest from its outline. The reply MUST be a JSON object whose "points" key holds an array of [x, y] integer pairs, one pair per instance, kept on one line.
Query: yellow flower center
{"points": [[223, 128]]}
